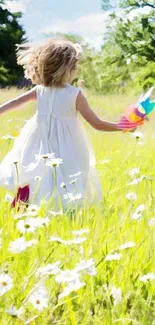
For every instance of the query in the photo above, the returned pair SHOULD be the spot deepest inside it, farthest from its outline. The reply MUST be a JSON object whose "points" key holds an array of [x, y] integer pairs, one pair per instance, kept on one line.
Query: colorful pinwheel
{"points": [[135, 114]]}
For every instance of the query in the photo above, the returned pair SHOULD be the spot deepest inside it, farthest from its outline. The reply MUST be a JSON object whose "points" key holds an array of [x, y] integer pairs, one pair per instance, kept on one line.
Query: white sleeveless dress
{"points": [[56, 129]]}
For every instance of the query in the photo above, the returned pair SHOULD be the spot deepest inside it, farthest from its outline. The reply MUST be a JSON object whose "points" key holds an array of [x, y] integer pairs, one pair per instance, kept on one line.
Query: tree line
{"points": [[11, 33]]}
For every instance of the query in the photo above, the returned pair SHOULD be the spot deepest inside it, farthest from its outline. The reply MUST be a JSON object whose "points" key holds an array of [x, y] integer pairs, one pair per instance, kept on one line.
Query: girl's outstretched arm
{"points": [[19, 101], [98, 124]]}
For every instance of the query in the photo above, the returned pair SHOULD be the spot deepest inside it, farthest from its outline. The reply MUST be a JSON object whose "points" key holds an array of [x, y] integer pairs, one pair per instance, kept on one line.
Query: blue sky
{"points": [[83, 17]]}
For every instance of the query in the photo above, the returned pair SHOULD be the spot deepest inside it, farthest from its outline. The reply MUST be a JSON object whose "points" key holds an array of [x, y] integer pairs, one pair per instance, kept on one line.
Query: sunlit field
{"points": [[104, 274]]}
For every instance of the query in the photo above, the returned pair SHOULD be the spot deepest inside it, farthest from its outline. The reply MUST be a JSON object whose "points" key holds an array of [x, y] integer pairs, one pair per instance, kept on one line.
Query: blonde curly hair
{"points": [[50, 63]]}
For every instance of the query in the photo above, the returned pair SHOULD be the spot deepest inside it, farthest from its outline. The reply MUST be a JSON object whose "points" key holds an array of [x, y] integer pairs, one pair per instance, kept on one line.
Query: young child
{"points": [[54, 131]]}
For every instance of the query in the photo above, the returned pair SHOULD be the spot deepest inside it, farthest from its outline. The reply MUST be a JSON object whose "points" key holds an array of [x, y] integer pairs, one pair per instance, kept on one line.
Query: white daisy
{"points": [[77, 240], [45, 156], [54, 162], [113, 257], [8, 198], [49, 269], [137, 135], [30, 225], [136, 181], [20, 244], [73, 181], [127, 245], [58, 239], [131, 196], [39, 298], [8, 137], [117, 295], [63, 185], [67, 276], [72, 286], [87, 267], [5, 283], [72, 197], [27, 226], [151, 222], [134, 171], [147, 277], [41, 222], [75, 175], [136, 215], [80, 232], [56, 213], [37, 178], [141, 208], [13, 311], [33, 208], [66, 292]]}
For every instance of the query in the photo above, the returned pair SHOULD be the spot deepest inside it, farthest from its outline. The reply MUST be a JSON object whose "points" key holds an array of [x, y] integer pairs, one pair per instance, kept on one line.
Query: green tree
{"points": [[11, 33], [138, 3], [128, 52], [109, 4]]}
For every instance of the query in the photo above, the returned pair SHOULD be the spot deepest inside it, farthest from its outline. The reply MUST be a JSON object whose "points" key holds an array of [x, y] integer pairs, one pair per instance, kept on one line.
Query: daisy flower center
{"points": [[38, 302], [27, 226]]}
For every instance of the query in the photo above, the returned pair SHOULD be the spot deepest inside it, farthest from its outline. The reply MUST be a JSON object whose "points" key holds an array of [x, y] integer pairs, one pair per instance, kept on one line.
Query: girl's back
{"points": [[60, 102]]}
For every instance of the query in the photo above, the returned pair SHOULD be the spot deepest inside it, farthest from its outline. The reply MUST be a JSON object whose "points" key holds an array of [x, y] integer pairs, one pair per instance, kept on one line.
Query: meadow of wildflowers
{"points": [[93, 267]]}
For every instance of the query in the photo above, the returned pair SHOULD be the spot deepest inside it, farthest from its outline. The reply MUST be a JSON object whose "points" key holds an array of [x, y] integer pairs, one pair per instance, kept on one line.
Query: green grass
{"points": [[110, 225]]}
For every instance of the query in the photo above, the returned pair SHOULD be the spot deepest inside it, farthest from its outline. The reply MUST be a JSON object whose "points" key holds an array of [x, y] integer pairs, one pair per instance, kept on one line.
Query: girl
{"points": [[53, 146]]}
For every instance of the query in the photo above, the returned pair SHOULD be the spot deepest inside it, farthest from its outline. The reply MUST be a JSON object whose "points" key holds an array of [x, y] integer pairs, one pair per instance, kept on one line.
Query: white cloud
{"points": [[15, 6], [92, 27]]}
